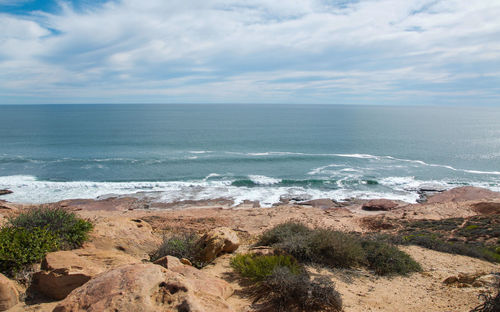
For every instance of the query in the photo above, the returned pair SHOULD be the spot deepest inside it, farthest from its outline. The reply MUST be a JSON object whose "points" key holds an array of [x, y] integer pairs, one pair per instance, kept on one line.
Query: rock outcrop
{"points": [[132, 236], [5, 192], [215, 242], [63, 271], [144, 287], [323, 203], [379, 205], [465, 193], [9, 295]]}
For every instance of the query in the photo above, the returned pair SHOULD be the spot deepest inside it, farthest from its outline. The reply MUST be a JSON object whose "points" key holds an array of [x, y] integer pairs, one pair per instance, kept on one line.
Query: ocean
{"points": [[244, 152]]}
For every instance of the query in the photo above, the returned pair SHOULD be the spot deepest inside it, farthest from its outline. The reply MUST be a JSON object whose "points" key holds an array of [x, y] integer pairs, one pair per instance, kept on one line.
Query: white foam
{"points": [[200, 152], [263, 180]]}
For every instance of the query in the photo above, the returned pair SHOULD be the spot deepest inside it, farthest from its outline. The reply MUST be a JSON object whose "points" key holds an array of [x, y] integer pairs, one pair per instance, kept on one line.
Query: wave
{"points": [[266, 190]]}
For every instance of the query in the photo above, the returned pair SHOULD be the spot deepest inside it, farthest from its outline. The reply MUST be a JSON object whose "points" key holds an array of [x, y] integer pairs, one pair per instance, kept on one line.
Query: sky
{"points": [[394, 52]]}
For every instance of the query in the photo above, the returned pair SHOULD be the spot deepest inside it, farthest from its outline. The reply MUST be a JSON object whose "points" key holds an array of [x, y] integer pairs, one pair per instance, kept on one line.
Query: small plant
{"points": [[71, 230], [182, 245], [259, 267], [336, 249], [20, 247], [386, 259], [284, 290], [283, 232]]}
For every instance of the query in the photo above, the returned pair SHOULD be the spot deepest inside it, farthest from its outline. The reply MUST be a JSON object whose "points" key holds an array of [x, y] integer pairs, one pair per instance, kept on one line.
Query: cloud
{"points": [[309, 51]]}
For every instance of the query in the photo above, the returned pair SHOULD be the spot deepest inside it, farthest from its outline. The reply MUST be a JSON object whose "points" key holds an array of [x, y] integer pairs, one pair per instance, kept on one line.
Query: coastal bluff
{"points": [[113, 270]]}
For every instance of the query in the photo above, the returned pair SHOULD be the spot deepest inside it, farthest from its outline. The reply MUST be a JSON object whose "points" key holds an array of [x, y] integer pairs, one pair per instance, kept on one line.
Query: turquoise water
{"points": [[255, 152]]}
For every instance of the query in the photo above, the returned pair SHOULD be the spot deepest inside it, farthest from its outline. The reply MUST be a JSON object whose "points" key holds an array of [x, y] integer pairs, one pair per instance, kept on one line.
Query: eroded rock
{"points": [[63, 271], [463, 194], [379, 205], [144, 287], [215, 242], [9, 295], [132, 236]]}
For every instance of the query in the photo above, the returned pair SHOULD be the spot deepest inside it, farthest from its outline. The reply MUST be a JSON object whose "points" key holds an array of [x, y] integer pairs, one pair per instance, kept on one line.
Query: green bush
{"points": [[386, 259], [71, 230], [282, 233], [20, 247], [181, 245], [337, 249], [284, 290], [259, 267]]}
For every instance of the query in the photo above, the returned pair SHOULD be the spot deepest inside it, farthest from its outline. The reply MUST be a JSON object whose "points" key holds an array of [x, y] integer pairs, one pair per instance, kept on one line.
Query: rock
{"points": [[186, 261], [132, 236], [450, 280], [323, 203], [5, 192], [285, 199], [463, 194], [108, 204], [163, 261], [145, 287], [487, 208], [105, 258], [63, 271], [9, 295], [379, 205], [490, 280], [216, 242], [262, 250]]}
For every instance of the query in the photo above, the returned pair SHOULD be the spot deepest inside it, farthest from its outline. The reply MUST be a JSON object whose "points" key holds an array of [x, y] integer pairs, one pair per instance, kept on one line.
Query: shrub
{"points": [[20, 247], [336, 249], [181, 245], [71, 230], [285, 291], [259, 267], [282, 233], [386, 259]]}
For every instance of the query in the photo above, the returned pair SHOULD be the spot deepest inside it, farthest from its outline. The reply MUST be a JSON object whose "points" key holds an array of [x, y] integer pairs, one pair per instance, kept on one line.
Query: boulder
{"points": [[144, 287], [215, 242], [464, 193], [323, 203], [63, 271], [132, 236], [379, 205], [5, 192], [105, 258], [9, 295]]}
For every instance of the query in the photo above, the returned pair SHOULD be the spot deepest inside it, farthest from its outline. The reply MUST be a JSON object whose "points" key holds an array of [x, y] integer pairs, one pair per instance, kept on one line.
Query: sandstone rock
{"points": [[163, 261], [9, 295], [463, 194], [132, 236], [63, 271], [5, 192], [143, 287], [379, 205], [262, 250], [186, 261], [323, 203], [105, 258], [216, 242]]}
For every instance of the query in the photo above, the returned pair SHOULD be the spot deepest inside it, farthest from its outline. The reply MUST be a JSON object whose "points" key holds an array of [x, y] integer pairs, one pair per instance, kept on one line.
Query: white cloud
{"points": [[273, 51]]}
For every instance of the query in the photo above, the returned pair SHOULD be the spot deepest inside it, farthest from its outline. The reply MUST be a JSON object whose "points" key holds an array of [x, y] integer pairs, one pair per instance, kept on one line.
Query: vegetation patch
{"points": [[337, 249], [281, 284], [386, 259], [20, 247], [27, 238], [67, 226], [181, 245], [259, 267]]}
